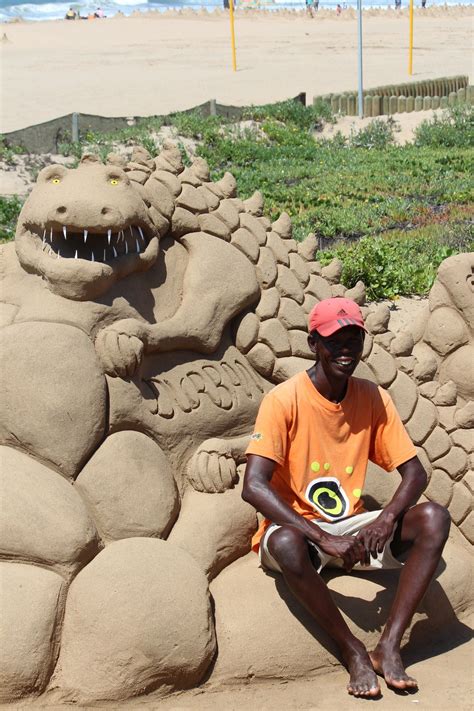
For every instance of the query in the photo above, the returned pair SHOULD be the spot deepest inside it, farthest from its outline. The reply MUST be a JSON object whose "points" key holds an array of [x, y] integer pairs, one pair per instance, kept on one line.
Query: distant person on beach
{"points": [[311, 7], [423, 4], [71, 14], [338, 10], [398, 4], [99, 13], [306, 469]]}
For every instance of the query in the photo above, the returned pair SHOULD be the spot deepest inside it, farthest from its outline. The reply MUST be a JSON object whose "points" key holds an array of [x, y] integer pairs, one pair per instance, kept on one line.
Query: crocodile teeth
{"points": [[105, 255], [85, 236], [75, 256], [138, 246], [115, 251], [65, 231], [44, 236], [131, 231], [51, 235], [59, 254], [93, 258], [141, 234], [109, 236], [126, 247]]}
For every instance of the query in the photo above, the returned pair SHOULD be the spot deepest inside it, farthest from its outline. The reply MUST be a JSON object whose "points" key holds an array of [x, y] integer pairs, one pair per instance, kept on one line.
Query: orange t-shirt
{"points": [[322, 448]]}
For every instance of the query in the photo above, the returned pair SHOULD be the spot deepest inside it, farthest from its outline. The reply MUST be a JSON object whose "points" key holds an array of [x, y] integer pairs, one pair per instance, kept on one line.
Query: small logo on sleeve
{"points": [[257, 436]]}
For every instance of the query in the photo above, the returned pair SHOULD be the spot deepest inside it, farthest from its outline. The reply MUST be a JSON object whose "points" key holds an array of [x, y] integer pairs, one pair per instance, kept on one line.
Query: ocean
{"points": [[38, 10]]}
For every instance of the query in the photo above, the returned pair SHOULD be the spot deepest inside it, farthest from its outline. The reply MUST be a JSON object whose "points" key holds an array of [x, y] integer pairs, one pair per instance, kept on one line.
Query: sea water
{"points": [[40, 10]]}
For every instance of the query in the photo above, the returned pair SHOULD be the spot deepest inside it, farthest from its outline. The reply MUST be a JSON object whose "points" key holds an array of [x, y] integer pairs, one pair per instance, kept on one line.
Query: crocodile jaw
{"points": [[91, 262]]}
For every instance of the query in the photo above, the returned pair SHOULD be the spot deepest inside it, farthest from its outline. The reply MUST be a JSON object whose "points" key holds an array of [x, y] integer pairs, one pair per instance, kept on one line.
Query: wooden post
{"points": [[410, 50], [232, 34]]}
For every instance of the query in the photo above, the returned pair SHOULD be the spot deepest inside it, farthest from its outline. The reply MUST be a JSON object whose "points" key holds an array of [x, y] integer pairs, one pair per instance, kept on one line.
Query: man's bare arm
{"points": [[258, 492], [375, 535]]}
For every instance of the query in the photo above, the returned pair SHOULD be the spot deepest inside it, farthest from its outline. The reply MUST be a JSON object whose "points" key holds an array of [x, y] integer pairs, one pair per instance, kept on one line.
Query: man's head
{"points": [[330, 315], [336, 335]]}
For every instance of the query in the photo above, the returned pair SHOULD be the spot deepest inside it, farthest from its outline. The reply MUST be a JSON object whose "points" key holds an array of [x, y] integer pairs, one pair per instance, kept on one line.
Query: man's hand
{"points": [[375, 535], [349, 548]]}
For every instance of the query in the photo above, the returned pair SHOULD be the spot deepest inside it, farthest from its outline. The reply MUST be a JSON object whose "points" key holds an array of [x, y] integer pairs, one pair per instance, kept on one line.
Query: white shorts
{"points": [[346, 527]]}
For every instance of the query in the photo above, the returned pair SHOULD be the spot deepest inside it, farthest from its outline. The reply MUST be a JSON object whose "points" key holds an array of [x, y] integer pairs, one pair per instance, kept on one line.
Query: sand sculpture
{"points": [[145, 311]]}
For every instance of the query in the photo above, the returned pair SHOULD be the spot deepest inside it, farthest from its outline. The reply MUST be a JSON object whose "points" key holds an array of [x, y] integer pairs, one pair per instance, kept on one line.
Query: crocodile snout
{"points": [[78, 214]]}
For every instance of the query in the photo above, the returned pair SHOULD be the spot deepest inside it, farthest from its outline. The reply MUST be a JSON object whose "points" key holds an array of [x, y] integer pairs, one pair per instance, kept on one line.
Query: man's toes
{"points": [[405, 683]]}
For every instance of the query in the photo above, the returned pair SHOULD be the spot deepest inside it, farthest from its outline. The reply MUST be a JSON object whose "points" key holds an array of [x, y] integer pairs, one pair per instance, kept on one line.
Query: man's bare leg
{"points": [[425, 528], [290, 549]]}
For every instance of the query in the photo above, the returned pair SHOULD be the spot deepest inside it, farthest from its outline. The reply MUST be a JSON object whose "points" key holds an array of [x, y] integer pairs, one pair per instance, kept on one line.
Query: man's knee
{"points": [[289, 548], [434, 522]]}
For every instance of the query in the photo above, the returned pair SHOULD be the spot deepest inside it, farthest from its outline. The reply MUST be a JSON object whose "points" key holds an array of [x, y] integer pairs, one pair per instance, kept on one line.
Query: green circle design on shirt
{"points": [[326, 496]]}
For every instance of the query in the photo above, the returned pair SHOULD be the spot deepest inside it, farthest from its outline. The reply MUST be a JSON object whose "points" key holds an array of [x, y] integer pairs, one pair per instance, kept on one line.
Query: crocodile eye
{"points": [[55, 181], [114, 181]]}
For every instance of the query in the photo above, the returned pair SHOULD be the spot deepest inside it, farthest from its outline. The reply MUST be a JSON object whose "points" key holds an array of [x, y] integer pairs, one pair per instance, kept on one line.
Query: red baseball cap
{"points": [[330, 315]]}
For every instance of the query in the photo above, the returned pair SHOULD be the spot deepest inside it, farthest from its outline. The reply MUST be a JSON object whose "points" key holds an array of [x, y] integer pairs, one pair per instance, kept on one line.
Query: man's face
{"points": [[340, 353]]}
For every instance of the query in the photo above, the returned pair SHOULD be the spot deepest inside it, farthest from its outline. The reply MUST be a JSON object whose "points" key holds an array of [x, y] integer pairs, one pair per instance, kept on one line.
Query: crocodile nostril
{"points": [[61, 210], [105, 211]]}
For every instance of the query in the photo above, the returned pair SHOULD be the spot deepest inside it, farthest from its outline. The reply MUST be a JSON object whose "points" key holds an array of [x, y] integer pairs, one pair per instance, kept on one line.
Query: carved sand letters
{"points": [[184, 389]]}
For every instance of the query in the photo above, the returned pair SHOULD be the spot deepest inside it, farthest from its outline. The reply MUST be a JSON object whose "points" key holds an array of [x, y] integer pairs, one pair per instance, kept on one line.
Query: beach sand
{"points": [[155, 64]]}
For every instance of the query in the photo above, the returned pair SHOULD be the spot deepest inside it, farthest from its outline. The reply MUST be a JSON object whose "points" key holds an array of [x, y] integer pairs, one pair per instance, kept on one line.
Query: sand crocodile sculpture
{"points": [[145, 311]]}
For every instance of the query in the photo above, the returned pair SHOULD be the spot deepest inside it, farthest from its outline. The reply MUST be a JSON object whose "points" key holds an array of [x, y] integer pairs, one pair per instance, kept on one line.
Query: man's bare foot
{"points": [[363, 680], [388, 663]]}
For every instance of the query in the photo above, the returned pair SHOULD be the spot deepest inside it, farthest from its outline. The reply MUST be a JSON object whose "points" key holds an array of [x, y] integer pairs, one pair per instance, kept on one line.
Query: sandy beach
{"points": [[156, 64]]}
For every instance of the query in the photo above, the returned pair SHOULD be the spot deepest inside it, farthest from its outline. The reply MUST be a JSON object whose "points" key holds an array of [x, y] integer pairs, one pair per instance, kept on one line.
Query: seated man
{"points": [[306, 468]]}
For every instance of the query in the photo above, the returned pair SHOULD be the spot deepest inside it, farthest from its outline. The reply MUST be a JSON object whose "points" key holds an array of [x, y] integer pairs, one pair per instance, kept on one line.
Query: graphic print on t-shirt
{"points": [[326, 495]]}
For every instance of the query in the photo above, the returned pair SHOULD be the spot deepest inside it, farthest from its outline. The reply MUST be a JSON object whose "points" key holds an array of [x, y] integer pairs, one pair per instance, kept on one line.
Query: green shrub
{"points": [[453, 129], [397, 264], [378, 134], [292, 113], [9, 210], [8, 152]]}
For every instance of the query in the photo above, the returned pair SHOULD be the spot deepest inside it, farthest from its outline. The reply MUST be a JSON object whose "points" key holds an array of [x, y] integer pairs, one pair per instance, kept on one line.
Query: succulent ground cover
{"points": [[391, 213]]}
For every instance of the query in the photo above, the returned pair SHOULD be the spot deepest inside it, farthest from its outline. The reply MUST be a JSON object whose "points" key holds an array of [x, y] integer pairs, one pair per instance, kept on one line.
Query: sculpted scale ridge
{"points": [[145, 311]]}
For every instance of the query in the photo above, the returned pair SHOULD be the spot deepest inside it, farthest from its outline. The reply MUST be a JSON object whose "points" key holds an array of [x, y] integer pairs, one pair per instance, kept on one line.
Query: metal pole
{"points": [[361, 88], [410, 50], [75, 128], [232, 34]]}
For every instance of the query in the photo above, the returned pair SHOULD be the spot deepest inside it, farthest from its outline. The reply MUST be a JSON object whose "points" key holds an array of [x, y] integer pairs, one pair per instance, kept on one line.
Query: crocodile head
{"points": [[84, 229]]}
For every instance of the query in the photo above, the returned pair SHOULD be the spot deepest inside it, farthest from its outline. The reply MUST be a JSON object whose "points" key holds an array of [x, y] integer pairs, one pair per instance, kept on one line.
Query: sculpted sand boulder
{"points": [[129, 487], [449, 328], [145, 311], [234, 523], [138, 617], [39, 384], [32, 601], [45, 521]]}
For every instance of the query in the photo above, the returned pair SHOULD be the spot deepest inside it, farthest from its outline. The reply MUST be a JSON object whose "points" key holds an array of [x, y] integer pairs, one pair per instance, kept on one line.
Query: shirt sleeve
{"points": [[270, 436], [390, 442]]}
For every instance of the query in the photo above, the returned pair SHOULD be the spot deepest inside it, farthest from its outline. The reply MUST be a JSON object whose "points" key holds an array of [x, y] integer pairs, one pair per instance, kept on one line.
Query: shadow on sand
{"points": [[437, 633]]}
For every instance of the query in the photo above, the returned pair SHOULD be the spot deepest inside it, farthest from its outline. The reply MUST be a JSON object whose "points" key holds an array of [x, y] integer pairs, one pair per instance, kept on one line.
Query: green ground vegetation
{"points": [[391, 213]]}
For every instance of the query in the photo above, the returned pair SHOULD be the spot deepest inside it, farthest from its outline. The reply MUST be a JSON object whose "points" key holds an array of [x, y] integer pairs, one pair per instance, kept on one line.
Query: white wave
{"points": [[57, 10], [124, 2]]}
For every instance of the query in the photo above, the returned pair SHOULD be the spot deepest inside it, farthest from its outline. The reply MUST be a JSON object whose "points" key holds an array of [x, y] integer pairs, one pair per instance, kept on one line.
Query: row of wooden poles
{"points": [[385, 105], [403, 98]]}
